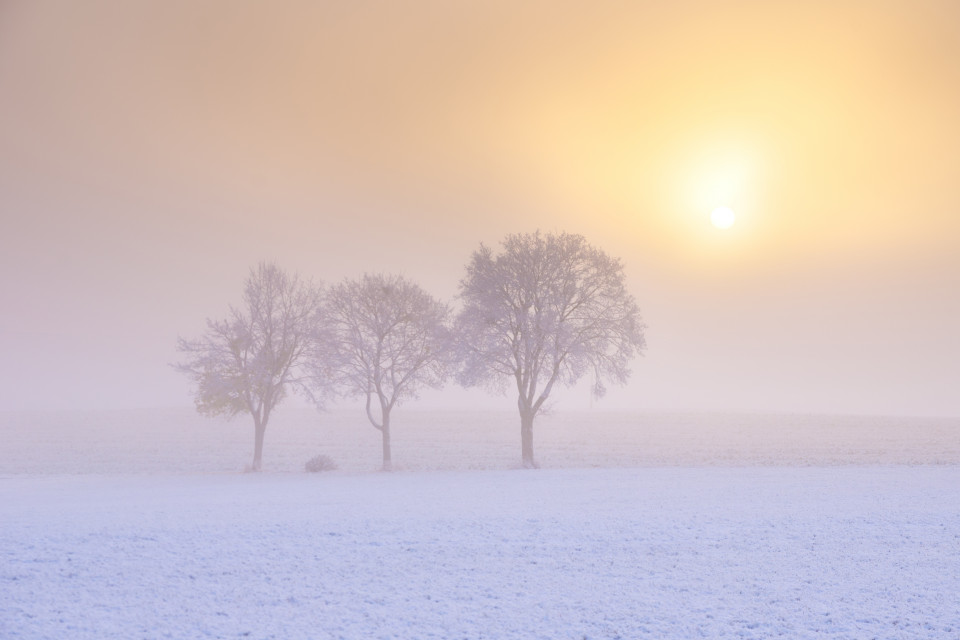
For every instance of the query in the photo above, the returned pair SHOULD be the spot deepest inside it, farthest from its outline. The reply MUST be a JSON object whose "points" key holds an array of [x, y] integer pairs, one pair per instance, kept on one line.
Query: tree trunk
{"points": [[259, 427], [385, 433], [526, 439]]}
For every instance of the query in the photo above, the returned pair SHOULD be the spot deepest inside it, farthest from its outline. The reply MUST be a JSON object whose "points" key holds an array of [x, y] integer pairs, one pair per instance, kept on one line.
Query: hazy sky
{"points": [[152, 151]]}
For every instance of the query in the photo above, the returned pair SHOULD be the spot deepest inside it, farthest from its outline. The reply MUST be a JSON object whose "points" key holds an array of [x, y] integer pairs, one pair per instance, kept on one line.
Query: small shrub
{"points": [[320, 463]]}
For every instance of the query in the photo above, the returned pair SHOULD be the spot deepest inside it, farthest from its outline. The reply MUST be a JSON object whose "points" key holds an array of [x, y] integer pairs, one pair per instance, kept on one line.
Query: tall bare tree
{"points": [[386, 339], [546, 310], [246, 363]]}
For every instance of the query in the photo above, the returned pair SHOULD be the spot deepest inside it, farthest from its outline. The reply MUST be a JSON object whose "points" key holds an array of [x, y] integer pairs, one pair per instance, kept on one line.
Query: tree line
{"points": [[544, 310]]}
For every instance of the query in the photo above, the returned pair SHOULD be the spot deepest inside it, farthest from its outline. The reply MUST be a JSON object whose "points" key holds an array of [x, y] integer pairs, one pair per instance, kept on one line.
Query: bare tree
{"points": [[547, 310], [386, 339], [246, 363]]}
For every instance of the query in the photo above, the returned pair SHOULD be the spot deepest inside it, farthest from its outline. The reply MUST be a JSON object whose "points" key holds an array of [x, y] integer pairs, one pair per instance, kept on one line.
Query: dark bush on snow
{"points": [[320, 463]]}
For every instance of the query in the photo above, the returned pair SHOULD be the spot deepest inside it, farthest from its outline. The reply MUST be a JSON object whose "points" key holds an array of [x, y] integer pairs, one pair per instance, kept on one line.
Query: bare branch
{"points": [[247, 363], [546, 310]]}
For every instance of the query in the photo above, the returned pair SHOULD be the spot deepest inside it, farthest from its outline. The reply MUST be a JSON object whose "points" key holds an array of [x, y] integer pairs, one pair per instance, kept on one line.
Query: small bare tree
{"points": [[386, 338], [246, 363], [546, 310]]}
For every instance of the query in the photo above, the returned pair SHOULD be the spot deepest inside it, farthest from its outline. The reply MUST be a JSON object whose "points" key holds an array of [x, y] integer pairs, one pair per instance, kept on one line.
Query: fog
{"points": [[166, 162], [152, 153]]}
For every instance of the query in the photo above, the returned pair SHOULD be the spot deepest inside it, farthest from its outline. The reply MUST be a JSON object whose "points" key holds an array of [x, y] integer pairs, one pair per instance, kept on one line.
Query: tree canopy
{"points": [[247, 362], [385, 338], [547, 309]]}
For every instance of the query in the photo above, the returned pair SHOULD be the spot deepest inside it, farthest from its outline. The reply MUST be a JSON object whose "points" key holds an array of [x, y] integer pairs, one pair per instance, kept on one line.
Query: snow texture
{"points": [[122, 537], [855, 552]]}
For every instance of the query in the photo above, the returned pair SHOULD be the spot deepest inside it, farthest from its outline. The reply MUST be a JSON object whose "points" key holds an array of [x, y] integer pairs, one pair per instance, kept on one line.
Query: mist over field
{"points": [[499, 319], [177, 441], [152, 153]]}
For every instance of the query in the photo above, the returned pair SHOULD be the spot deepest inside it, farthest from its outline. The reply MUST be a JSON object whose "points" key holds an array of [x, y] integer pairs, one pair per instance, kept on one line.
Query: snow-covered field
{"points": [[138, 525], [180, 441]]}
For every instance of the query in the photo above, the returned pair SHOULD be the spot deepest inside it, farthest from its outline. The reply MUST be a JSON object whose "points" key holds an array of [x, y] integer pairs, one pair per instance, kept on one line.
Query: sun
{"points": [[723, 217]]}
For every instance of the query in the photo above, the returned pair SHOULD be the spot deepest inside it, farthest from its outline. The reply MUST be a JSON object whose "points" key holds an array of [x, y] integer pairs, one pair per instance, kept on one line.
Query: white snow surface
{"points": [[794, 527], [842, 552]]}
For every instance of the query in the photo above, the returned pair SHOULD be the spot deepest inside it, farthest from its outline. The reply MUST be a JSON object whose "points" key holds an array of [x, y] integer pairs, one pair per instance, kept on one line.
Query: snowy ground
{"points": [[180, 441], [840, 552], [139, 525]]}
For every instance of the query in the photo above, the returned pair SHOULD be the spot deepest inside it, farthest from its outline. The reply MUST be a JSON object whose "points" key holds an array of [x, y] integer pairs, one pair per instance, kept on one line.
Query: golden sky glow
{"points": [[166, 146]]}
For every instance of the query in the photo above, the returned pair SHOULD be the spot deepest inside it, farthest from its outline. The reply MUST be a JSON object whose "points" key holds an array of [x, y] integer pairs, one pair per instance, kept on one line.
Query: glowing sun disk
{"points": [[722, 217]]}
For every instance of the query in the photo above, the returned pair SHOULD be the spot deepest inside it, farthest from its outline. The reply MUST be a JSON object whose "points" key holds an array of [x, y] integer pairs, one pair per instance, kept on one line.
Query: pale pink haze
{"points": [[151, 153]]}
